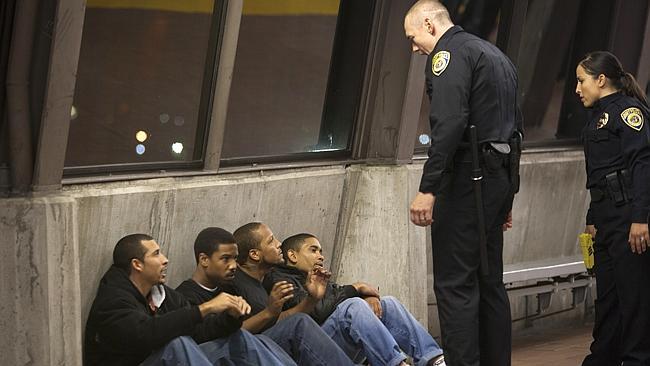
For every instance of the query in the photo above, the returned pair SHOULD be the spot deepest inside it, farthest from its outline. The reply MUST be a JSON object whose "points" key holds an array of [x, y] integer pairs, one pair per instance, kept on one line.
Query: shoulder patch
{"points": [[633, 118], [439, 62], [602, 121]]}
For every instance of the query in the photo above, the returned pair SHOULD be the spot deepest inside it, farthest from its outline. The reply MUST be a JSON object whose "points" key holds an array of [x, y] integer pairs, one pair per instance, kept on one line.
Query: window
{"points": [[550, 51], [544, 75], [142, 97], [298, 74], [548, 54]]}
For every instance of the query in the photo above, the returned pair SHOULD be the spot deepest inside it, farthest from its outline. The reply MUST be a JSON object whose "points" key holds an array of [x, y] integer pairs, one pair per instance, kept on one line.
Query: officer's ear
{"points": [[428, 25], [601, 80]]}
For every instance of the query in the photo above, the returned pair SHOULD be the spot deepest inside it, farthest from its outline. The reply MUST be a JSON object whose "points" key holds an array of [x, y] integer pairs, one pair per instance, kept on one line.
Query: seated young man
{"points": [[136, 320], [216, 252], [355, 316]]}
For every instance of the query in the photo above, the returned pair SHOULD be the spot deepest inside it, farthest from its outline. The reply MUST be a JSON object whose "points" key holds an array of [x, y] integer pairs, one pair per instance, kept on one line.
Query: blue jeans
{"points": [[354, 327], [240, 348], [305, 341], [179, 351]]}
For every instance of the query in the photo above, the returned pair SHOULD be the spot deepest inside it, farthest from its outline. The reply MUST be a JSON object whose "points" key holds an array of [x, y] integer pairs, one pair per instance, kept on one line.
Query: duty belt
{"points": [[491, 158]]}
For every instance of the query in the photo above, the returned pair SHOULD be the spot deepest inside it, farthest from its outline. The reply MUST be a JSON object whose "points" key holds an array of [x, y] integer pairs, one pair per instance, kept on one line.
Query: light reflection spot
{"points": [[177, 147], [141, 136], [73, 113], [164, 118]]}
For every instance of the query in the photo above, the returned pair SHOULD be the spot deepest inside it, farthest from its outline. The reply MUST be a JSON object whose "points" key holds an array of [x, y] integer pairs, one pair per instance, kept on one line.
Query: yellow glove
{"points": [[587, 246]]}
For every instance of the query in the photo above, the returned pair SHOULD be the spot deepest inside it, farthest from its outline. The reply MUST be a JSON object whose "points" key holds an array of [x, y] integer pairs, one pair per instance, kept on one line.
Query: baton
{"points": [[477, 176]]}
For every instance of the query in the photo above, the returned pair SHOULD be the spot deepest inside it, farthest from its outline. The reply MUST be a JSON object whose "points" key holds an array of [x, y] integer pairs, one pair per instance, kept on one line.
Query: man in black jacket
{"points": [[136, 319], [216, 252], [355, 316]]}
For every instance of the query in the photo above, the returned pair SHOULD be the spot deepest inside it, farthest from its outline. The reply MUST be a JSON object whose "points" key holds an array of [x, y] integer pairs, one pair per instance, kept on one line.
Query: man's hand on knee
{"points": [[365, 289], [375, 305]]}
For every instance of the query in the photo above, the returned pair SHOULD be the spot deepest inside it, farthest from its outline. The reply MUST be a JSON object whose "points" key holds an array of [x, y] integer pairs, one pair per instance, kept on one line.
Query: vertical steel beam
{"points": [[59, 93], [363, 123], [216, 130], [18, 102], [390, 90], [408, 126]]}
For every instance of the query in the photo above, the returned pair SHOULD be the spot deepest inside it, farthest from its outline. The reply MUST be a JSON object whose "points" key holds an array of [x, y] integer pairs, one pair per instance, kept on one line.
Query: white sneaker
{"points": [[440, 361]]}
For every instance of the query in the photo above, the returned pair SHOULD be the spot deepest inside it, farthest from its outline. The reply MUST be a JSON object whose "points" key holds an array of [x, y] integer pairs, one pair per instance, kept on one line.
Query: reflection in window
{"points": [[139, 82], [423, 136], [280, 80], [543, 65], [479, 17]]}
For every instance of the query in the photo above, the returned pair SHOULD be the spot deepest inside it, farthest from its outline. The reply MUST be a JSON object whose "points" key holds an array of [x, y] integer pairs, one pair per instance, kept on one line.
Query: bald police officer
{"points": [[469, 83]]}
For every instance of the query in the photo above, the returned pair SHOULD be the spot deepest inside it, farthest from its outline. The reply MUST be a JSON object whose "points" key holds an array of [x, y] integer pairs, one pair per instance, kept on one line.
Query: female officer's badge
{"points": [[602, 121], [633, 118], [439, 62]]}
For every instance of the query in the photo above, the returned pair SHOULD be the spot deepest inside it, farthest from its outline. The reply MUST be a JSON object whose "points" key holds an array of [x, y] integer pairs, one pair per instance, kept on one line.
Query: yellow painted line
{"points": [[183, 6], [251, 7], [291, 7]]}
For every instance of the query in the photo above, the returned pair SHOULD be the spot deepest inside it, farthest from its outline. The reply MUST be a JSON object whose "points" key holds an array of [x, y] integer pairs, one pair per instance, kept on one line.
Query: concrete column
{"points": [[379, 244], [40, 313]]}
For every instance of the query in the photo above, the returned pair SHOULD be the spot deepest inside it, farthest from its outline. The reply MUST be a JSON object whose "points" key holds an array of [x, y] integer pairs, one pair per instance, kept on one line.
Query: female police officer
{"points": [[617, 153]]}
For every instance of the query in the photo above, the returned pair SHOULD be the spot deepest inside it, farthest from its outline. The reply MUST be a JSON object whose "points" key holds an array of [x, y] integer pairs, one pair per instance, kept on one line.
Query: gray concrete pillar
{"points": [[40, 313], [379, 244]]}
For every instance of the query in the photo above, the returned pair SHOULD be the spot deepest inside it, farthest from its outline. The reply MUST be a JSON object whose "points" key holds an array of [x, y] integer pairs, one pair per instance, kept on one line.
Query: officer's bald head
{"points": [[427, 9]]}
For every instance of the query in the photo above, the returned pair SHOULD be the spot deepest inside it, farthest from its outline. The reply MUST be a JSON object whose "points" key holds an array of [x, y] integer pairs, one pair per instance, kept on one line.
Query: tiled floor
{"points": [[564, 347]]}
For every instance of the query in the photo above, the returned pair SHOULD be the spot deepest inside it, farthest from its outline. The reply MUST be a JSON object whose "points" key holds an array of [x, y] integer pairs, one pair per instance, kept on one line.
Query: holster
{"points": [[515, 156], [617, 184], [493, 159]]}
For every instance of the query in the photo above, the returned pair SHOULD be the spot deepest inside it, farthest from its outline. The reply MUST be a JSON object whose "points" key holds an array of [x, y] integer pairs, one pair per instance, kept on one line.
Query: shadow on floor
{"points": [[558, 347]]}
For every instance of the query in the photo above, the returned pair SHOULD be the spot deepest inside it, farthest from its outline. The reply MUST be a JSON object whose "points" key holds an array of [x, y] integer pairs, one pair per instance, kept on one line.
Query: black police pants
{"points": [[622, 329], [474, 310]]}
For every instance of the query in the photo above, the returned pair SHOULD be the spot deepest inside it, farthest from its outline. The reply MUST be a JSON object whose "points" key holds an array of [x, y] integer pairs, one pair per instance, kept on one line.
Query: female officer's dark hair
{"points": [[603, 62]]}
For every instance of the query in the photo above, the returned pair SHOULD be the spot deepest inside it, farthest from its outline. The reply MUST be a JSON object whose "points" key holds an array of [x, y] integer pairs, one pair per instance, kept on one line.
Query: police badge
{"points": [[439, 62], [633, 118], [602, 121]]}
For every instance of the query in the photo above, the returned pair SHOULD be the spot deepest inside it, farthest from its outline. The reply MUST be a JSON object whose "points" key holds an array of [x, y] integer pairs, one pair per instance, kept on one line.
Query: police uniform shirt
{"points": [[469, 81], [617, 137]]}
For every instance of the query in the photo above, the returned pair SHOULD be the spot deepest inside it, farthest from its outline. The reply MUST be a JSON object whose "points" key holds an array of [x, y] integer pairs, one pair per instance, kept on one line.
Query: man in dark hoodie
{"points": [[216, 253], [136, 319], [355, 316]]}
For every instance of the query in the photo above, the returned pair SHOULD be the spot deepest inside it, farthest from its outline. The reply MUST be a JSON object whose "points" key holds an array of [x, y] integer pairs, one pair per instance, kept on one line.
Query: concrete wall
{"points": [[549, 211], [55, 249], [175, 210]]}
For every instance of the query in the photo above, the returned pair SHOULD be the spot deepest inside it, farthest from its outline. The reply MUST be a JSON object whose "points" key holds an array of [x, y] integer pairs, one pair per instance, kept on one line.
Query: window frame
{"points": [[220, 80], [210, 73], [339, 49]]}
